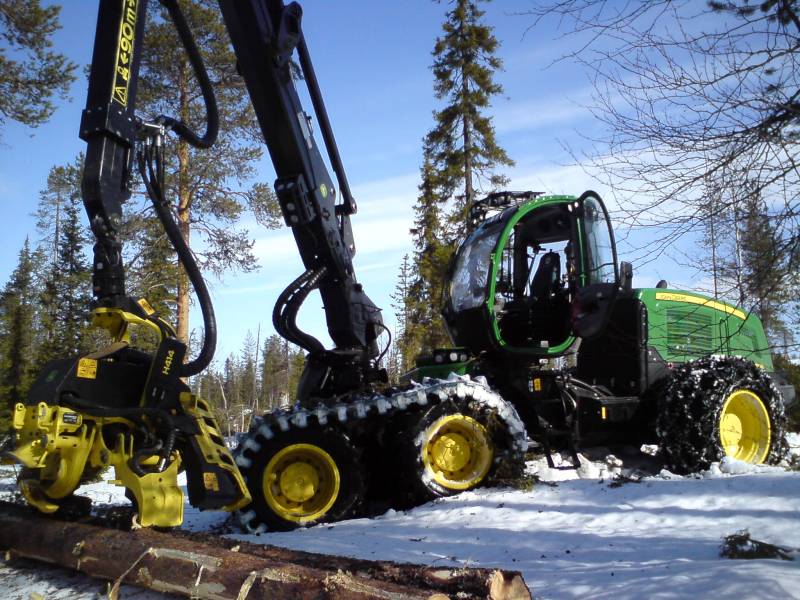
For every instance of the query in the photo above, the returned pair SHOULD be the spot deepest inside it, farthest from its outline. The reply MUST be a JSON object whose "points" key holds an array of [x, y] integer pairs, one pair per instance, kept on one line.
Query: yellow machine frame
{"points": [[60, 448]]}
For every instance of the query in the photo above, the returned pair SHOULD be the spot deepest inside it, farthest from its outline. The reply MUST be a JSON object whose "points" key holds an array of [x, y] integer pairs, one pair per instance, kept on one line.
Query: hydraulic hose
{"points": [[151, 178], [284, 314], [163, 448], [70, 400], [196, 60]]}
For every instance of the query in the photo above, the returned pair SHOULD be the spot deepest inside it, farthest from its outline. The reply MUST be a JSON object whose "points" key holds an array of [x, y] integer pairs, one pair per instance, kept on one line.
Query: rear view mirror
{"points": [[625, 277]]}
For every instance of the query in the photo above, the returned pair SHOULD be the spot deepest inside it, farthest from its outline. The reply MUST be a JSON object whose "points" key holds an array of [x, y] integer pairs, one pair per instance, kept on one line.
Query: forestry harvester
{"points": [[125, 408], [351, 441], [539, 307]]}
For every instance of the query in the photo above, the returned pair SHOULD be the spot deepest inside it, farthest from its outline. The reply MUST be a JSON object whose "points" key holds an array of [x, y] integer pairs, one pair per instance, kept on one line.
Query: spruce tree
{"points": [[765, 275], [275, 373], [66, 279], [17, 319], [209, 186], [424, 329], [248, 379], [232, 393], [400, 358], [460, 156], [462, 144]]}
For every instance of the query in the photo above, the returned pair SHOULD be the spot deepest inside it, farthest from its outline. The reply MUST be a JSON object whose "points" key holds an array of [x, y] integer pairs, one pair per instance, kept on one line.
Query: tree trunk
{"points": [[467, 133], [184, 205], [202, 566]]}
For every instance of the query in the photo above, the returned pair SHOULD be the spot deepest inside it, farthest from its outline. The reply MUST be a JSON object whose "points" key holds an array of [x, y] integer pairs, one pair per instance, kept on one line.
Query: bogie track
{"points": [[367, 435]]}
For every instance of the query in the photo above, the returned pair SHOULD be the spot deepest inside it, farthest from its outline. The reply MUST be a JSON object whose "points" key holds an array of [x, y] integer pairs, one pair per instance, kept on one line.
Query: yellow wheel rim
{"points": [[457, 452], [301, 483], [744, 428]]}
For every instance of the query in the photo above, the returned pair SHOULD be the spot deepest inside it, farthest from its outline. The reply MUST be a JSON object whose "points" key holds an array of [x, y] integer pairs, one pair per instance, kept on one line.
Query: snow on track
{"points": [[583, 535]]}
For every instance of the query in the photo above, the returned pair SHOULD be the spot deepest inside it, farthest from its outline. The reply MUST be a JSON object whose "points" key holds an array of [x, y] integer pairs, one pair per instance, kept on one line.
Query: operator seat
{"points": [[546, 279], [549, 307]]}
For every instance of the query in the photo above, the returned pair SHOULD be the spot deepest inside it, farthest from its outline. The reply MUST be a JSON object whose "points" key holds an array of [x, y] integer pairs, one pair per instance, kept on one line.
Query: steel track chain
{"points": [[358, 407]]}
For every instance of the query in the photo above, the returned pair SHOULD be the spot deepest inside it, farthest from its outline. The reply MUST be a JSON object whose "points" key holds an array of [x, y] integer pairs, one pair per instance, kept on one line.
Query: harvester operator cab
{"points": [[536, 273]]}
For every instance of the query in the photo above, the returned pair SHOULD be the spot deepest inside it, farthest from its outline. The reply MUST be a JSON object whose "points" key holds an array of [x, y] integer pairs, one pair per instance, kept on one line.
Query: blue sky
{"points": [[372, 60]]}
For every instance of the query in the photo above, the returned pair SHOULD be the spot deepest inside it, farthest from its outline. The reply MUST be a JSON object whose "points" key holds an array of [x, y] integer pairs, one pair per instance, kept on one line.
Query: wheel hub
{"points": [[299, 482], [731, 428], [451, 452]]}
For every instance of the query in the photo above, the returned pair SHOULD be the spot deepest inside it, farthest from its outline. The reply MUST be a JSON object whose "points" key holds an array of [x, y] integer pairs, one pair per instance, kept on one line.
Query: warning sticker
{"points": [[121, 94], [87, 368], [211, 482], [145, 306]]}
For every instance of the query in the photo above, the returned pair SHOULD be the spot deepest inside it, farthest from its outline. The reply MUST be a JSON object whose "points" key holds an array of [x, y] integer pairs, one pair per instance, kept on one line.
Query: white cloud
{"points": [[385, 215], [270, 286], [520, 116], [390, 196], [558, 179]]}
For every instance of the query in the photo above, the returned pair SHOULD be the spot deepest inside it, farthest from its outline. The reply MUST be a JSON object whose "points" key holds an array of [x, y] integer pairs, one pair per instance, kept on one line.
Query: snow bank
{"points": [[618, 527], [794, 444]]}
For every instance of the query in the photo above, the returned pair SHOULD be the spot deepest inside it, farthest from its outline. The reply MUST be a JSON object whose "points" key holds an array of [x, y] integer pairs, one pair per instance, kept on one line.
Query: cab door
{"points": [[598, 279]]}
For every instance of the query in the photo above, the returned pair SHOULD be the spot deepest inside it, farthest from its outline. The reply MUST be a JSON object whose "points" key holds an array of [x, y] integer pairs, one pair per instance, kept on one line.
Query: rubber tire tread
{"points": [[335, 443], [687, 424], [507, 463]]}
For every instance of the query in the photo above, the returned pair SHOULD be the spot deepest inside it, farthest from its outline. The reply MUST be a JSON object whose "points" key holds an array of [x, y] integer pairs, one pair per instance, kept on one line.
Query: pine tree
{"points": [[462, 145], [31, 74], [17, 314], [207, 184], [209, 385], [152, 269], [297, 362]]}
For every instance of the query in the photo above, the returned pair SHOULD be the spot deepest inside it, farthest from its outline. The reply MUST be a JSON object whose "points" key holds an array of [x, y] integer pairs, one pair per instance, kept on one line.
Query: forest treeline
{"points": [[703, 149], [45, 305]]}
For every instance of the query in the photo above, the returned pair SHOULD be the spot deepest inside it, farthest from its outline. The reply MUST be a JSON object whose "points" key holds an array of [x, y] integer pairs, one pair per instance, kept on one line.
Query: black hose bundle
{"points": [[196, 60], [284, 315], [151, 168], [163, 447]]}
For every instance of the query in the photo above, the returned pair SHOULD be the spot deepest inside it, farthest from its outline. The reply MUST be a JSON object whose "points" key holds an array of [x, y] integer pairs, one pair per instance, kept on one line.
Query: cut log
{"points": [[475, 582], [202, 566]]}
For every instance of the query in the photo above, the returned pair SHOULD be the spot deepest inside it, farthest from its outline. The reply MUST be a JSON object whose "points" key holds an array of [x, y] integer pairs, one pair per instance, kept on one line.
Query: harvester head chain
{"points": [[355, 407]]}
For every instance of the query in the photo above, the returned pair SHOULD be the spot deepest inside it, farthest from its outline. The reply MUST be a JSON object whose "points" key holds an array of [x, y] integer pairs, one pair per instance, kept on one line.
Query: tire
{"points": [[716, 407], [299, 478], [454, 446]]}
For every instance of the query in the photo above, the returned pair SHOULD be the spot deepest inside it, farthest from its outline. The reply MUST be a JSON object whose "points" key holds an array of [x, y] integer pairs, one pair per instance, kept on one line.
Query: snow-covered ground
{"points": [[575, 534]]}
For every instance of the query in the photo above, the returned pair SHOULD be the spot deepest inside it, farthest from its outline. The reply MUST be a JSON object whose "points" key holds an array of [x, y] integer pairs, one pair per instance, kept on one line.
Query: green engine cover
{"points": [[684, 326]]}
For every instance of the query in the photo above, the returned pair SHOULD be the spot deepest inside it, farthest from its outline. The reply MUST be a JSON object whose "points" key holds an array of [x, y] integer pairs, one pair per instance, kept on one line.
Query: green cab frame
{"points": [[532, 278]]}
